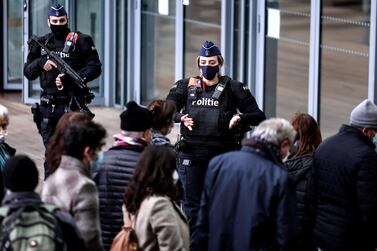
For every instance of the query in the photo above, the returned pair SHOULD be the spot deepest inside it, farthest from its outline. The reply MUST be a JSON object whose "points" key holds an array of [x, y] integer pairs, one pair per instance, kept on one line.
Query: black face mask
{"points": [[209, 72], [59, 31]]}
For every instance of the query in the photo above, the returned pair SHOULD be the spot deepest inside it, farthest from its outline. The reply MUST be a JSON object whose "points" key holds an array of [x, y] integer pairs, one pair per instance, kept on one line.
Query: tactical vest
{"points": [[211, 116]]}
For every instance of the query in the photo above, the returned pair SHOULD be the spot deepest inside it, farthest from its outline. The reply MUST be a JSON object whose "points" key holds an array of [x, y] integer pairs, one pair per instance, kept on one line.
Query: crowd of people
{"points": [[279, 188]]}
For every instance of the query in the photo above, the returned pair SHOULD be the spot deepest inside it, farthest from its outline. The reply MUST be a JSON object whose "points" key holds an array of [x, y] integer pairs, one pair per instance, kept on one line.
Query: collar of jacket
{"points": [[73, 163], [348, 129], [265, 153], [17, 199]]}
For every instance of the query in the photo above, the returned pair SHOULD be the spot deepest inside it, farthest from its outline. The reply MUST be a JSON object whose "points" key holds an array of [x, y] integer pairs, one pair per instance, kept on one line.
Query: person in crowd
{"points": [[55, 147], [5, 150], [248, 201], [59, 93], [299, 165], [118, 165], [21, 179], [214, 112], [163, 120], [159, 222], [71, 188], [345, 176]]}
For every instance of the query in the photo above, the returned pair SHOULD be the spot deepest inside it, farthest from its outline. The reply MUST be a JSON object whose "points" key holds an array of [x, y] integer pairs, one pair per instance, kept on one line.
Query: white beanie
{"points": [[364, 115]]}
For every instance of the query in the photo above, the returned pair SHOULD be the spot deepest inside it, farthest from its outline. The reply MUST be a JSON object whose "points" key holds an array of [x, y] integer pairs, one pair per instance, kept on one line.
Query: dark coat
{"points": [[345, 168], [299, 169], [112, 180], [247, 203]]}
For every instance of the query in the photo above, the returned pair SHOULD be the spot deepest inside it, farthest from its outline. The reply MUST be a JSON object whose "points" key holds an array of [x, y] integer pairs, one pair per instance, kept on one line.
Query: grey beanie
{"points": [[364, 115]]}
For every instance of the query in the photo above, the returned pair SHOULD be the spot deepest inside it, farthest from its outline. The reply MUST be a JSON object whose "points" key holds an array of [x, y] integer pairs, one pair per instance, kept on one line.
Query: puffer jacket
{"points": [[299, 169], [112, 179], [345, 170]]}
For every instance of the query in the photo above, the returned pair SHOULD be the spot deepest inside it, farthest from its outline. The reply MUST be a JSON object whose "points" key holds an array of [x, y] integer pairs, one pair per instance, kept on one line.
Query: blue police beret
{"points": [[209, 49], [57, 11]]}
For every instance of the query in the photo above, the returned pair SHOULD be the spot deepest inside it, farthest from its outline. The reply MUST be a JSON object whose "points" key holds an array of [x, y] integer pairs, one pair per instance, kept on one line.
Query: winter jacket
{"points": [[71, 188], [345, 171], [161, 225], [247, 203], [299, 169], [112, 179]]}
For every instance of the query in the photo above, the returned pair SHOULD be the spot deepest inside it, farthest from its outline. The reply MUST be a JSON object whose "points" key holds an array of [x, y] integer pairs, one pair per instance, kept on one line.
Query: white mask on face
{"points": [[3, 136], [175, 176]]}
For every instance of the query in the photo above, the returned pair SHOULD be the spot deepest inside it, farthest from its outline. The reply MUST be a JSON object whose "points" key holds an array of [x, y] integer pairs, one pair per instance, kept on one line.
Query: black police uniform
{"points": [[82, 57], [211, 134]]}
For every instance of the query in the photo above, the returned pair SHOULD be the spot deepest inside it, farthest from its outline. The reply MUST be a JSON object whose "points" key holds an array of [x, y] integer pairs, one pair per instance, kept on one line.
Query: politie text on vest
{"points": [[205, 102]]}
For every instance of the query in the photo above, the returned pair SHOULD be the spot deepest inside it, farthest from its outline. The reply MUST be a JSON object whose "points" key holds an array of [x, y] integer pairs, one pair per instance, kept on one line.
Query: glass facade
{"points": [[121, 51], [287, 57], [158, 48], [344, 61], [201, 22], [14, 42], [89, 20]]}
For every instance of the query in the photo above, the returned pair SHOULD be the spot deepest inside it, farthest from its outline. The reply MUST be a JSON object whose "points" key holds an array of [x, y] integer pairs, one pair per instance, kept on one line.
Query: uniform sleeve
{"points": [[286, 213], [247, 105], [367, 199], [165, 226], [178, 94], [34, 62], [86, 215], [89, 55]]}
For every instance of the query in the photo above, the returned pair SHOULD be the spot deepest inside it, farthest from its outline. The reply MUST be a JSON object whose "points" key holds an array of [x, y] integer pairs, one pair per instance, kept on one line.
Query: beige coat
{"points": [[161, 225], [71, 188]]}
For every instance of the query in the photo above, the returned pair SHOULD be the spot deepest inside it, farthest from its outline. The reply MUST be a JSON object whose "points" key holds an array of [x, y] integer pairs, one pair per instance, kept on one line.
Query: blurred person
{"points": [[118, 165], [55, 148], [248, 201], [71, 188], [5, 150], [345, 175], [159, 222], [163, 120], [214, 111], [299, 165], [25, 220]]}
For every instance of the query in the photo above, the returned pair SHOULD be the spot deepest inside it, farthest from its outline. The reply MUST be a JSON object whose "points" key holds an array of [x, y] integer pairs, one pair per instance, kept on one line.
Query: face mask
{"points": [[209, 72], [175, 176], [59, 31], [3, 136], [95, 164]]}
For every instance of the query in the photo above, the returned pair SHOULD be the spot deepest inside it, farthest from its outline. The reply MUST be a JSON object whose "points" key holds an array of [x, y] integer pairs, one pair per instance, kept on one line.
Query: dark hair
{"points": [[308, 133], [55, 147], [153, 176], [82, 134], [163, 112]]}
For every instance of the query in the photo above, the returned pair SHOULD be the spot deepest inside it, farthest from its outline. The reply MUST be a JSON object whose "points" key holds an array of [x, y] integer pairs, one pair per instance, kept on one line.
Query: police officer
{"points": [[58, 90], [211, 109]]}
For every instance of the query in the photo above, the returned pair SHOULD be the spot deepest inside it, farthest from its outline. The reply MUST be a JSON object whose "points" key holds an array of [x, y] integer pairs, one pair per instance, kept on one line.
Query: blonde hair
{"points": [[274, 131]]}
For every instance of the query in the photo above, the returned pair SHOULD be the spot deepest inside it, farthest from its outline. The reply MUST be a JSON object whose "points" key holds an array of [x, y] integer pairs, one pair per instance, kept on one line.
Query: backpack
{"points": [[126, 239], [31, 227]]}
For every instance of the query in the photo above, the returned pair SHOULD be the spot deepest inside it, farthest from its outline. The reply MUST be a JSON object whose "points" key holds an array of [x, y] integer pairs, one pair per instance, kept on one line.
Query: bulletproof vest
{"points": [[211, 115]]}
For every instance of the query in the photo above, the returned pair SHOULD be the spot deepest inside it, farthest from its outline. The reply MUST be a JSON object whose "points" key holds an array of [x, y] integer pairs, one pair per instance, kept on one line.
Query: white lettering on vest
{"points": [[62, 54], [205, 102]]}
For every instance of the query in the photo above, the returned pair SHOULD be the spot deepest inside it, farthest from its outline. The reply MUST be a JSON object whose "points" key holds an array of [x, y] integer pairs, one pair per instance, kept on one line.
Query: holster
{"points": [[37, 116]]}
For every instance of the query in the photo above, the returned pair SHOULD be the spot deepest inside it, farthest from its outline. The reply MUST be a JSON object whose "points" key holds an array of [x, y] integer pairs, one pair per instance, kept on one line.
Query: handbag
{"points": [[126, 239]]}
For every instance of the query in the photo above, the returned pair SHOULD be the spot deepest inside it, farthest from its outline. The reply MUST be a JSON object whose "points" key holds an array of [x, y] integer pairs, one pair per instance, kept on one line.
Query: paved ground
{"points": [[23, 135]]}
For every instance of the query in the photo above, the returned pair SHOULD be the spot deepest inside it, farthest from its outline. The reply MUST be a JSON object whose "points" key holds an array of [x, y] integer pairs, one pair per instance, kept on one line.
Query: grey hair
{"points": [[4, 114], [274, 131]]}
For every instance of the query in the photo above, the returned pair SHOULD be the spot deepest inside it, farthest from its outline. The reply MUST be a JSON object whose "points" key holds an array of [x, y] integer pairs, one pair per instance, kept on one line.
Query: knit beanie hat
{"points": [[364, 115], [20, 174], [135, 118]]}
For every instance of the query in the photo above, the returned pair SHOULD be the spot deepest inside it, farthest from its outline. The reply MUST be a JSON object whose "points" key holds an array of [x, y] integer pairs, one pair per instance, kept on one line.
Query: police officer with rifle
{"points": [[214, 111], [65, 61]]}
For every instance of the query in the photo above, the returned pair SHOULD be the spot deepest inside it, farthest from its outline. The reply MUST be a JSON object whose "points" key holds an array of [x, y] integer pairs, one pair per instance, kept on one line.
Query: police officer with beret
{"points": [[78, 51], [211, 109]]}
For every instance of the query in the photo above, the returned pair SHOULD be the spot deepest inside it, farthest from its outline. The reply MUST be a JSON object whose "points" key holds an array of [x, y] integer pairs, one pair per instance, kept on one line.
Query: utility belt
{"points": [[215, 144], [54, 100]]}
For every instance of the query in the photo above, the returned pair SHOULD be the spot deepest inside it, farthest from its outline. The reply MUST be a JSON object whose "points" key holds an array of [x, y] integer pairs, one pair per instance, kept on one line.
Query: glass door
{"points": [[287, 47], [12, 51]]}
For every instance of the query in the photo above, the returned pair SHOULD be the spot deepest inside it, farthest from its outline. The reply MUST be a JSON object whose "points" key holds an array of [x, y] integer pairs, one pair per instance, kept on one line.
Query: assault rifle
{"points": [[86, 96]]}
